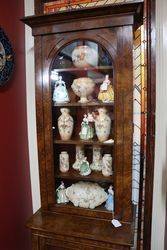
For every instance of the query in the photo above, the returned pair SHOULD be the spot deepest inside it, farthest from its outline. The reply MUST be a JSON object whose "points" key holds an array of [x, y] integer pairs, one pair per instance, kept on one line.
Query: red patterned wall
{"points": [[15, 193]]}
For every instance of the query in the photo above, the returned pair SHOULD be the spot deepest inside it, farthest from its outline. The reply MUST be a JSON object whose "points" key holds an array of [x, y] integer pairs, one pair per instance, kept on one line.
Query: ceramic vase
{"points": [[79, 157], [97, 159], [107, 165], [83, 87], [65, 124], [64, 162], [84, 56], [102, 125]]}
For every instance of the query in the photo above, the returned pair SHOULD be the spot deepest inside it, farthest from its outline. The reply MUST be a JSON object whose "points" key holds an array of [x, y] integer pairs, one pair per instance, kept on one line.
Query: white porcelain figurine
{"points": [[60, 94], [61, 194], [110, 200]]}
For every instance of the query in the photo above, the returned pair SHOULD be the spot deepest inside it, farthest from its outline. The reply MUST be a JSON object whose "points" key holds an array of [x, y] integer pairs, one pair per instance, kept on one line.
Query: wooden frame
{"points": [[150, 8], [37, 31]]}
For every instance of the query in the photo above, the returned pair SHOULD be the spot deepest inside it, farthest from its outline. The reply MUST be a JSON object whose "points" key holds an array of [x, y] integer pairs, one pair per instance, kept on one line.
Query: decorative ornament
{"points": [[84, 56], [83, 87], [84, 167], [106, 93], [97, 159], [110, 200], [86, 194], [107, 165], [87, 129], [61, 194], [102, 125], [79, 157], [64, 162], [6, 58], [65, 124], [60, 94]]}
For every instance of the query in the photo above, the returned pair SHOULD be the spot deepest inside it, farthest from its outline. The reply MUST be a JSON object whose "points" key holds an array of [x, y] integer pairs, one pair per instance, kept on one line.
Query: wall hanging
{"points": [[6, 58]]}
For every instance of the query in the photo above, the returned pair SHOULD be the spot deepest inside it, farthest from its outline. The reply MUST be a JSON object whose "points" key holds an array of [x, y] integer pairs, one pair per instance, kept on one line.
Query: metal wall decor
{"points": [[6, 58]]}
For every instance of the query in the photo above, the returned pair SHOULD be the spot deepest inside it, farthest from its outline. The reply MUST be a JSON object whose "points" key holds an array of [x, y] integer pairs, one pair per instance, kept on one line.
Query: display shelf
{"points": [[82, 142], [78, 104], [74, 69], [100, 211], [74, 175]]}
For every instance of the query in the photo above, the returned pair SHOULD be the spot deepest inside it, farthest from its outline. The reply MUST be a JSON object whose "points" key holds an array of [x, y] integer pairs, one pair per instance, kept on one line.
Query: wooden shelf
{"points": [[78, 104], [74, 175], [100, 211], [82, 142], [74, 69]]}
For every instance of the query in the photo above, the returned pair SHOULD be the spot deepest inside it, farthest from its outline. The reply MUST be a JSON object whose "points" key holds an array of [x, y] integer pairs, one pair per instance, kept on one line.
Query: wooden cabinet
{"points": [[109, 32]]}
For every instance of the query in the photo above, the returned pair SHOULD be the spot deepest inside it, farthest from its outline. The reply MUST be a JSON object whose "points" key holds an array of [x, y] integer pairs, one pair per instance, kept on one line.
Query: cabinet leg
{"points": [[35, 242]]}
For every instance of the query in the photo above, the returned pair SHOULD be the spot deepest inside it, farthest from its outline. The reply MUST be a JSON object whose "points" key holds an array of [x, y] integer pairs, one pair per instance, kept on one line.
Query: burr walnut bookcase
{"points": [[110, 29]]}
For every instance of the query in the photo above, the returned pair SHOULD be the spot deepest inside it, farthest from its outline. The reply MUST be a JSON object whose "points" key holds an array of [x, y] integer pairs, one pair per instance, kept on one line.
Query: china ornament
{"points": [[106, 93], [60, 94], [65, 124], [79, 157], [85, 168], [61, 194], [110, 200], [107, 165], [102, 125], [87, 129], [97, 159], [86, 194], [64, 162], [83, 87], [84, 56]]}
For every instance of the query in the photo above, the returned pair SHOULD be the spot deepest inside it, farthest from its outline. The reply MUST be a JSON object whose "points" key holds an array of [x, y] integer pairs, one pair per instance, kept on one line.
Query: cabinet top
{"points": [[134, 8]]}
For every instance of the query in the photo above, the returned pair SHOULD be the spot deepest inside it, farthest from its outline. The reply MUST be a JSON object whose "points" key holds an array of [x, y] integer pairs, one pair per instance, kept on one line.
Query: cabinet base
{"points": [[52, 231]]}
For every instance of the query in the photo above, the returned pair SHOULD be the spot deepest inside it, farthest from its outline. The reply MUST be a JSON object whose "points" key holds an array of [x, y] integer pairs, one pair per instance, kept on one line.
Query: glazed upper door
{"points": [[111, 55]]}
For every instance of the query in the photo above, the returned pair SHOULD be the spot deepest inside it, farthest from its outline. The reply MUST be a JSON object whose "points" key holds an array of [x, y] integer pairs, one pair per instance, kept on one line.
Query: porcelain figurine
{"points": [[84, 56], [64, 162], [86, 194], [97, 159], [65, 124], [84, 167], [110, 200], [60, 94], [79, 157], [83, 87], [107, 165], [87, 130], [106, 93], [61, 194], [102, 125]]}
